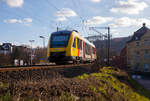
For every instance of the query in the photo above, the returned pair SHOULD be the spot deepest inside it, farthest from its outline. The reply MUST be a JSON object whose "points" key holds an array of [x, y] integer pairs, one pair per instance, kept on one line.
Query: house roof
{"points": [[139, 33]]}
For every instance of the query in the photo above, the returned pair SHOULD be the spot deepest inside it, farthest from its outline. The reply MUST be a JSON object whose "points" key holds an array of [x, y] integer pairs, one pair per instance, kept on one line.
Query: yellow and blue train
{"points": [[68, 46]]}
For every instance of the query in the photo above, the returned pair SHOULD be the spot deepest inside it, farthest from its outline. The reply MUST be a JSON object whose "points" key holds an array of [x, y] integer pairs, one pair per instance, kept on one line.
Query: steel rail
{"points": [[39, 67]]}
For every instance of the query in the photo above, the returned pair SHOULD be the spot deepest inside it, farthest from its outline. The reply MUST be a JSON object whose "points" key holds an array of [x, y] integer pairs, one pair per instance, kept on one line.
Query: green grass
{"points": [[6, 97], [3, 85], [84, 76], [66, 97], [109, 84]]}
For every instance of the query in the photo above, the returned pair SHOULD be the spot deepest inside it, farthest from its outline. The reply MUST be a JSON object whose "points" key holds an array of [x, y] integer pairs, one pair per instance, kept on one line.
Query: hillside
{"points": [[116, 43], [108, 84]]}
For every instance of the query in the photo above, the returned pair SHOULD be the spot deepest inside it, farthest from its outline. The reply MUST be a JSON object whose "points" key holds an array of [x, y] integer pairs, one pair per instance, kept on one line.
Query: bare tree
{"points": [[40, 55], [4, 59]]}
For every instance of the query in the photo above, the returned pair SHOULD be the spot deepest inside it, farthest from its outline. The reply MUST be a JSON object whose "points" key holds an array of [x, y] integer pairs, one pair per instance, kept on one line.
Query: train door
{"points": [[80, 48], [74, 48], [91, 52]]}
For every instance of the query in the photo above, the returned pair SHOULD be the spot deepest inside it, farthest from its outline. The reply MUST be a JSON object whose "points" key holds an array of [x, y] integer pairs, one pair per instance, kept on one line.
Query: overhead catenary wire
{"points": [[82, 19], [83, 12], [57, 9], [74, 4]]}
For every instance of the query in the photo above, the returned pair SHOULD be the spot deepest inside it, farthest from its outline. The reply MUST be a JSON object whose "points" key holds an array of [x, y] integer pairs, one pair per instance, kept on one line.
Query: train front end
{"points": [[59, 50]]}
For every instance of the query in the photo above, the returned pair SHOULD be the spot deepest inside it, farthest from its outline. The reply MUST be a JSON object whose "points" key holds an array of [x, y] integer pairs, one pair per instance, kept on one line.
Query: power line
{"points": [[82, 19], [108, 40], [58, 10], [74, 3]]}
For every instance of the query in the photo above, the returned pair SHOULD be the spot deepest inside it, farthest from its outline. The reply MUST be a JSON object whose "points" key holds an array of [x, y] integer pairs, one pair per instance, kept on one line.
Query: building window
{"points": [[136, 38], [137, 43], [145, 42], [137, 67], [148, 42], [146, 67], [146, 54], [137, 55]]}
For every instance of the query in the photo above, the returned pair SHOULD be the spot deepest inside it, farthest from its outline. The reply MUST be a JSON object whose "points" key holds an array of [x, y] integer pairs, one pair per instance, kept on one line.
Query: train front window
{"points": [[59, 40]]}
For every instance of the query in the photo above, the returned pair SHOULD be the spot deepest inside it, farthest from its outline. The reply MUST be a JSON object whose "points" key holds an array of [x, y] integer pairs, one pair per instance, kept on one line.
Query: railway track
{"points": [[36, 73], [26, 66], [37, 67]]}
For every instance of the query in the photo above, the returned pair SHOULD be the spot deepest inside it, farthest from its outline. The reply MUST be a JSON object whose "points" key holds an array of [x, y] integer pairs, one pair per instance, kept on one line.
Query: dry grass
{"points": [[109, 84]]}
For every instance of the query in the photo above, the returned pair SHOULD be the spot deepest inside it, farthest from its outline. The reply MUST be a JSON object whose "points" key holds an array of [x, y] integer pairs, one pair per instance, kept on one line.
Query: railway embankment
{"points": [[72, 84]]}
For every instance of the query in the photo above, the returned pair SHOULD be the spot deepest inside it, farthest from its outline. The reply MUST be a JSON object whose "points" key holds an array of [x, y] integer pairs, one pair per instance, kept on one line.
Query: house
{"points": [[138, 50], [6, 48]]}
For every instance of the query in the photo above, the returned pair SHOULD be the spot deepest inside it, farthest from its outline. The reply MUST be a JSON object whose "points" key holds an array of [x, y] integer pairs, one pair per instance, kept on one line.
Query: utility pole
{"points": [[108, 40], [108, 46], [31, 41]]}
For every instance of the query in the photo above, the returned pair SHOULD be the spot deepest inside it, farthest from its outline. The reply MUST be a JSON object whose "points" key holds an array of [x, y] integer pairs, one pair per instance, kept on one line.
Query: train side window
{"points": [[78, 43], [74, 43], [87, 49], [81, 44], [93, 50]]}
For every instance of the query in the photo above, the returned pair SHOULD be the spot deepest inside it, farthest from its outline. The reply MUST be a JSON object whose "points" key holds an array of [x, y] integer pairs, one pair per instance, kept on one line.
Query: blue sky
{"points": [[23, 20]]}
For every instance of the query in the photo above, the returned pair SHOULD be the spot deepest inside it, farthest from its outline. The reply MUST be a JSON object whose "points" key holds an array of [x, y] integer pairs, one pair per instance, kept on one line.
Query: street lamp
{"points": [[43, 41], [31, 41], [42, 37]]}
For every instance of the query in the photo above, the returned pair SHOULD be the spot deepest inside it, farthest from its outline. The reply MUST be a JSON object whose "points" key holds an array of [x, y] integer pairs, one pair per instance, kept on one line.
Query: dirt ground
{"points": [[81, 83]]}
